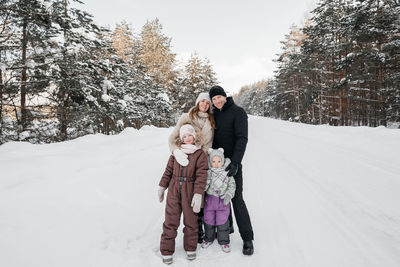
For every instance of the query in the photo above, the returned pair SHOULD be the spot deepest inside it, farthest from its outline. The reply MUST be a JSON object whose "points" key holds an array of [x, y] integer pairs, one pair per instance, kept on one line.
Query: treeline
{"points": [[62, 76], [341, 68]]}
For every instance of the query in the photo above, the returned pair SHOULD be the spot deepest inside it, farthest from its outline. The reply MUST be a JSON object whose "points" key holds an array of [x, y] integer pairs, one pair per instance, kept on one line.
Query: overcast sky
{"points": [[239, 37]]}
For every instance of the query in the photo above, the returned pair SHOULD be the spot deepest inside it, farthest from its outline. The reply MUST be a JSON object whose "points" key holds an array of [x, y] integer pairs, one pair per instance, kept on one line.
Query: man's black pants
{"points": [[240, 209]]}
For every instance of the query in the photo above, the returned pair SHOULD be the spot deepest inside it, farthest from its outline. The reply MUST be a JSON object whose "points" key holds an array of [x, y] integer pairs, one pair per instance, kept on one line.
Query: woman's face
{"points": [[204, 105]]}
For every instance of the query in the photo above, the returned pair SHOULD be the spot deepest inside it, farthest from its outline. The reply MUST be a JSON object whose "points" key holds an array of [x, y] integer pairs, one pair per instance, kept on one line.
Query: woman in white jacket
{"points": [[201, 118]]}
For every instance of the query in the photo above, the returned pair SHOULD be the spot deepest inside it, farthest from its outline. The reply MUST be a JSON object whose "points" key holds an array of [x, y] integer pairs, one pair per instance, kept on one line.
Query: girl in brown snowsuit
{"points": [[186, 186]]}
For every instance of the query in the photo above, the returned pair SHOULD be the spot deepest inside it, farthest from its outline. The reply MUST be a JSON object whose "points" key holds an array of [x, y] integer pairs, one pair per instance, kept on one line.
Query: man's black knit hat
{"points": [[217, 90]]}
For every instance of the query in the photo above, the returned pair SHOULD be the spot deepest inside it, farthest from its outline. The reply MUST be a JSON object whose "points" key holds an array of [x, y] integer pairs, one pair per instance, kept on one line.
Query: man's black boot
{"points": [[248, 248]]}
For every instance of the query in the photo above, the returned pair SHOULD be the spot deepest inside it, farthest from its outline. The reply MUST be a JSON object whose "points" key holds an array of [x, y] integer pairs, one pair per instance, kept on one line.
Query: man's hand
{"points": [[232, 169]]}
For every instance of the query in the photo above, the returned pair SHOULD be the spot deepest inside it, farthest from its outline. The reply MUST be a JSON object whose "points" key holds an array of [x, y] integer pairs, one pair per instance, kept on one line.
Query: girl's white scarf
{"points": [[189, 148]]}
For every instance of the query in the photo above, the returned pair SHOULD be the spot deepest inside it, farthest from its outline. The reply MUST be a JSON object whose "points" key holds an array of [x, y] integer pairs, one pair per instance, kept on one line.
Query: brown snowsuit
{"points": [[182, 185]]}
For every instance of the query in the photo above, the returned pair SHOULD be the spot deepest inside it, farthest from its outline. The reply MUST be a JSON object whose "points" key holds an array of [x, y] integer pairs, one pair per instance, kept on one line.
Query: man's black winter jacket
{"points": [[231, 130]]}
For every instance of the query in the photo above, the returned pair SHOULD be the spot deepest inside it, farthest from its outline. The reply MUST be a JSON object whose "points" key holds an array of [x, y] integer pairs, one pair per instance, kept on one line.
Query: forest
{"points": [[341, 68], [62, 76]]}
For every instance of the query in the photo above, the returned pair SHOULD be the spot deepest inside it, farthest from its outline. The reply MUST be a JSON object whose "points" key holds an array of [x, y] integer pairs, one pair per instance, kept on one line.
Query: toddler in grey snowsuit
{"points": [[219, 191]]}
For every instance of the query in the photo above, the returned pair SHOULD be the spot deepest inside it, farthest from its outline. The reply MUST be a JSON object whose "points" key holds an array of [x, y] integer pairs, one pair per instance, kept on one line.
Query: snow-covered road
{"points": [[317, 196]]}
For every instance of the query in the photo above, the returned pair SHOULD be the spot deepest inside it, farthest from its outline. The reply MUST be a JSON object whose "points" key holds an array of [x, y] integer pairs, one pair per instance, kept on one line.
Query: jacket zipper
{"points": [[181, 179]]}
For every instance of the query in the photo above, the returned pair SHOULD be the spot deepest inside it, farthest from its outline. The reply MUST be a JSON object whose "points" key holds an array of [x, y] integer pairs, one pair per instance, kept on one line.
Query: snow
{"points": [[31, 64], [317, 196], [128, 98], [3, 67], [85, 33], [24, 135], [382, 57], [107, 85], [45, 3], [92, 98], [75, 49], [106, 98], [120, 123], [164, 97], [122, 103]]}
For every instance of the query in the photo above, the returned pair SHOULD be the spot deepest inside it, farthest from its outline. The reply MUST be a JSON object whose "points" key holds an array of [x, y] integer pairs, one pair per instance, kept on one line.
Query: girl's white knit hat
{"points": [[203, 96], [187, 129]]}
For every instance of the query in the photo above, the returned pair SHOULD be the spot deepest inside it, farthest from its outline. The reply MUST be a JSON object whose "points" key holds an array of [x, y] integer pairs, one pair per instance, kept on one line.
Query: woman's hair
{"points": [[194, 112]]}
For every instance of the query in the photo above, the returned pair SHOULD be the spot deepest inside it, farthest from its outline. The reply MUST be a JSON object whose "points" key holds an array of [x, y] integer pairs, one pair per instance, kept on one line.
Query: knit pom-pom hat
{"points": [[203, 96], [186, 129]]}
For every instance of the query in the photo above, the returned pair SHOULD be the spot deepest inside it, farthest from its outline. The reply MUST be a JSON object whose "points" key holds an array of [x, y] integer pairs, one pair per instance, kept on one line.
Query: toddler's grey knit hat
{"points": [[216, 152]]}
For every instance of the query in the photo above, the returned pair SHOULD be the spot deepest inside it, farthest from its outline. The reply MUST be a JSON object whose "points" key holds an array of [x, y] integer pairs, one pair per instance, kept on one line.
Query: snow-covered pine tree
{"points": [[198, 76], [176, 94], [391, 69], [124, 42], [376, 33], [251, 98], [209, 76], [78, 71], [193, 80], [269, 103], [347, 67], [245, 97], [8, 47], [147, 102], [289, 80], [28, 58], [155, 53]]}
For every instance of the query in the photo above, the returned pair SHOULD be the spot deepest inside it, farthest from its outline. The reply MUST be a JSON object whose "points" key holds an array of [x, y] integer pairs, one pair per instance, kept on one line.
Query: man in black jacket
{"points": [[231, 135]]}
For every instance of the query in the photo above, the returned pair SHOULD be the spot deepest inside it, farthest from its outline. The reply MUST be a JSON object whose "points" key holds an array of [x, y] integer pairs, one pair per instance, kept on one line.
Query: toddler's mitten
{"points": [[227, 198]]}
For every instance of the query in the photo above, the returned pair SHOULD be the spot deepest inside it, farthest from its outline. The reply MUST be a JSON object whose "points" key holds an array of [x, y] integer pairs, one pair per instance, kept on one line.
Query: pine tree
{"points": [[346, 68], [194, 83], [198, 76], [33, 33], [377, 34], [78, 69], [391, 69], [209, 76], [251, 97], [7, 45], [290, 85], [124, 42], [156, 54], [80, 78], [146, 101]]}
